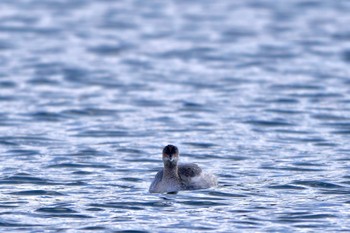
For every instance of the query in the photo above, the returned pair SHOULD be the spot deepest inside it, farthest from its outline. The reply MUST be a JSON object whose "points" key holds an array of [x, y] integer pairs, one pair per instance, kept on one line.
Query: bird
{"points": [[175, 177]]}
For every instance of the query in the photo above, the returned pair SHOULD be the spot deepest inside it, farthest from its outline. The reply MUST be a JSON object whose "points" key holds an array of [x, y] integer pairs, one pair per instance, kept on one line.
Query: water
{"points": [[256, 92]]}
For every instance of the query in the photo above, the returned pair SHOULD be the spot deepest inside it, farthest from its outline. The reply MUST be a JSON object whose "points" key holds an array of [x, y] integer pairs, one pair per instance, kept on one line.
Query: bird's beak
{"points": [[171, 158]]}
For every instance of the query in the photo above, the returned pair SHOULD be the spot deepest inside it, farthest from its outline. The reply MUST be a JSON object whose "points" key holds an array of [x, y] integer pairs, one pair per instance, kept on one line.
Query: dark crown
{"points": [[170, 150]]}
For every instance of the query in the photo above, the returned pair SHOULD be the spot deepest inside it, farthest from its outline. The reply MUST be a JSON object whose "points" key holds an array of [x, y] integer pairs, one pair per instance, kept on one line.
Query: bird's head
{"points": [[170, 156]]}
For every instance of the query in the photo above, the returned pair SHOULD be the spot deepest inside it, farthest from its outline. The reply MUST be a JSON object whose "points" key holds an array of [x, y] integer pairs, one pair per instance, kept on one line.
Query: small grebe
{"points": [[175, 177]]}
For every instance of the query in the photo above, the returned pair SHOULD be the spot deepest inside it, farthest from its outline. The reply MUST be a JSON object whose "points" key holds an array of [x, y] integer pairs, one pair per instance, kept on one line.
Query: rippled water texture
{"points": [[256, 92]]}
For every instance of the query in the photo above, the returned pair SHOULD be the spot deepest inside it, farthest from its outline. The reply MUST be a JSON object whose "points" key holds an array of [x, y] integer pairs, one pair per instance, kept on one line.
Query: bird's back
{"points": [[189, 170], [190, 177]]}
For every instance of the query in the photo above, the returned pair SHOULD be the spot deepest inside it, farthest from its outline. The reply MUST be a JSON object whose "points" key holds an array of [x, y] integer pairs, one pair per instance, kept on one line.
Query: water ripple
{"points": [[55, 210], [317, 184], [256, 92], [37, 193]]}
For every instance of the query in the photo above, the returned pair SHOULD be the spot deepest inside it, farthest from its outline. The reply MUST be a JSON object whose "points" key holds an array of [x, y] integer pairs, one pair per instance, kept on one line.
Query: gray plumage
{"points": [[185, 173], [174, 177]]}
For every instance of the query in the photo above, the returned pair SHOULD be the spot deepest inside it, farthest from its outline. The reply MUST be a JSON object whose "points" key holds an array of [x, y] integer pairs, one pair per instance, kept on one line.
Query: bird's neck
{"points": [[171, 172]]}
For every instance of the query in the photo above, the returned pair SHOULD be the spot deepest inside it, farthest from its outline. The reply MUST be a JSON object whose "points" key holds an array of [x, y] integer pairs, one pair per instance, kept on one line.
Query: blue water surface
{"points": [[254, 91]]}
